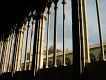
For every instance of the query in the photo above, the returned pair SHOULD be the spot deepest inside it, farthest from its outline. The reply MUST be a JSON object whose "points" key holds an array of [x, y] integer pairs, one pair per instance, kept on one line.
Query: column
{"points": [[15, 51], [64, 2], [82, 45], [3, 55], [1, 49], [33, 68], [21, 46], [26, 44], [100, 31], [31, 44], [41, 40], [38, 44], [48, 26], [55, 32], [6, 55], [87, 55], [10, 51], [76, 40]]}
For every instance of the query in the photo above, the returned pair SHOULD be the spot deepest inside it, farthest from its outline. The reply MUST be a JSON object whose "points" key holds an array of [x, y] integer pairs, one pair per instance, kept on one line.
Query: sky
{"points": [[92, 24]]}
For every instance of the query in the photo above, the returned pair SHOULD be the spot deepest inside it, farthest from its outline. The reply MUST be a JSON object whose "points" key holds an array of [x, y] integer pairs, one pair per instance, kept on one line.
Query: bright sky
{"points": [[91, 23]]}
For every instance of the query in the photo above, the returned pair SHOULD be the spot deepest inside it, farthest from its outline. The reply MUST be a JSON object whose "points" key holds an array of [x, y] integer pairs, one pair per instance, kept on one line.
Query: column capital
{"points": [[55, 1], [43, 17], [49, 2], [64, 2]]}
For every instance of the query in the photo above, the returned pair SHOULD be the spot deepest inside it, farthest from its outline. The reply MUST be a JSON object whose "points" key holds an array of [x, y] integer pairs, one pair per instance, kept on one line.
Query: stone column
{"points": [[6, 54], [55, 32], [76, 40], [26, 45], [10, 51], [87, 55], [100, 31], [1, 49], [30, 58], [17, 50], [21, 47], [15, 46], [38, 45], [82, 44], [33, 68], [3, 56], [48, 26], [41, 40], [64, 2]]}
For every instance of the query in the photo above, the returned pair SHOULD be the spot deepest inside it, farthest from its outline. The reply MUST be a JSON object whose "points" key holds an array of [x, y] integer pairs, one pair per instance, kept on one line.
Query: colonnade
{"points": [[14, 58]]}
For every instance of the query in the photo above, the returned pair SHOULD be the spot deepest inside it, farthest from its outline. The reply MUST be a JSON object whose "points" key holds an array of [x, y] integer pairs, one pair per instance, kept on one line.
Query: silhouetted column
{"points": [[42, 38], [55, 32], [87, 55], [82, 45], [38, 44], [76, 40], [33, 68], [64, 2], [48, 26], [100, 31]]}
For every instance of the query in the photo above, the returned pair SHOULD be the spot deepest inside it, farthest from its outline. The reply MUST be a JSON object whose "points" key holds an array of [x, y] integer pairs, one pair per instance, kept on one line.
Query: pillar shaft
{"points": [[76, 40], [82, 45], [100, 31], [26, 45], [10, 51], [55, 32], [38, 45], [48, 26], [33, 69], [87, 55], [14, 52], [31, 44], [41, 41], [64, 20], [6, 55]]}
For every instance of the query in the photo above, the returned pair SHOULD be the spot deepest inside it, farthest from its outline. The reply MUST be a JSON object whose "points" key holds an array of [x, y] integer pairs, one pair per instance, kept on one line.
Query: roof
{"points": [[97, 45]]}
